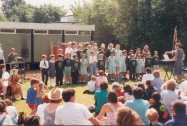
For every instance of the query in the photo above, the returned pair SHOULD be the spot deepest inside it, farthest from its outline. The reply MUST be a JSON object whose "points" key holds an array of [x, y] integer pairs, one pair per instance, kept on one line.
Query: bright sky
{"points": [[66, 3]]}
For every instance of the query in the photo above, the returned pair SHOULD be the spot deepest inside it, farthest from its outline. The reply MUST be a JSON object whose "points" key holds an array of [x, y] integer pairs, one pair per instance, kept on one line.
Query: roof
{"points": [[46, 26]]}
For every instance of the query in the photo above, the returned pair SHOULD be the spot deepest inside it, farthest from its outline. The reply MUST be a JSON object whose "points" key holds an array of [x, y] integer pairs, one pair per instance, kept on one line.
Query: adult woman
{"points": [[110, 110], [46, 112], [128, 117], [52, 70]]}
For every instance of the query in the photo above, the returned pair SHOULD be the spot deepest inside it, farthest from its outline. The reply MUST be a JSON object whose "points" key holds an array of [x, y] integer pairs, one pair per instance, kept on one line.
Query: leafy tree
{"points": [[47, 13]]}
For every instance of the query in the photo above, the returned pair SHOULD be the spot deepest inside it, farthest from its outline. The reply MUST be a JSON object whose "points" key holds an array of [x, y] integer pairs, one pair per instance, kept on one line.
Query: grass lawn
{"points": [[80, 97]]}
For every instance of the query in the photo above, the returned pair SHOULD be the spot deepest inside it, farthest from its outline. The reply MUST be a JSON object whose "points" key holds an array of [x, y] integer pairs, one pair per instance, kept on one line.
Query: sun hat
{"points": [[55, 94]]}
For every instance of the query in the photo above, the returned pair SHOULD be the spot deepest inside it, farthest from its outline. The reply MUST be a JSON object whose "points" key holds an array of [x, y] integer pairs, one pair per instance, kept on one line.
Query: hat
{"points": [[55, 94], [115, 84]]}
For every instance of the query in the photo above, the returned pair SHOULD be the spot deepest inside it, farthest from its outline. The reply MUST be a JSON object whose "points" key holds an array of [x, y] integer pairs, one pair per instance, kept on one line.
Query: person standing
{"points": [[59, 66], [52, 70], [44, 66], [2, 57]]}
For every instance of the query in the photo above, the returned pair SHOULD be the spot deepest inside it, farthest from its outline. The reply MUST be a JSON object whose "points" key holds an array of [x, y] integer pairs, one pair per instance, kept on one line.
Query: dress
{"points": [[140, 66], [122, 64], [179, 56], [111, 65], [67, 67], [84, 66]]}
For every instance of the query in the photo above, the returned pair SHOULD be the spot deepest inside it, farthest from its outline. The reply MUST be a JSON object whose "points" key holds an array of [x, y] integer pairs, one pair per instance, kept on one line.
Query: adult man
{"points": [[59, 66], [73, 113], [180, 118], [138, 104]]}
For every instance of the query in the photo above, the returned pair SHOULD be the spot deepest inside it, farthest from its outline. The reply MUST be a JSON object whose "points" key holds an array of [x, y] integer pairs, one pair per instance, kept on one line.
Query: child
{"points": [[111, 66], [52, 71], [156, 60], [91, 86], [132, 67], [122, 66], [83, 68], [140, 66], [44, 66], [67, 69], [32, 96]]}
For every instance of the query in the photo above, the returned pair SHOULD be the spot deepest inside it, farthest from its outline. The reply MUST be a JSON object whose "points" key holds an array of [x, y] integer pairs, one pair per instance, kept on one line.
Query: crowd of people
{"points": [[147, 101]]}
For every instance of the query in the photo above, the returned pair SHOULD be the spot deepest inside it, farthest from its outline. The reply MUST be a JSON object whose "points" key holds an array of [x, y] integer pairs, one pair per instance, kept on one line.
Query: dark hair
{"points": [[34, 81], [138, 93], [8, 102], [141, 86], [156, 96], [148, 70], [2, 106], [128, 89], [32, 121], [149, 85], [112, 97], [104, 86], [179, 107], [67, 94]]}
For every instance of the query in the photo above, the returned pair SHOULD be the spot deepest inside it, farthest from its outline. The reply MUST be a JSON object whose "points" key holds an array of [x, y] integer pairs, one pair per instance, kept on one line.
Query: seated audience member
{"points": [[161, 109], [101, 79], [101, 97], [169, 95], [183, 89], [128, 117], [5, 119], [138, 104], [28, 120], [72, 113], [145, 94], [179, 116], [128, 92], [149, 89], [157, 82], [47, 112], [153, 116], [117, 88], [91, 86], [148, 76], [11, 110], [110, 110], [32, 96]]}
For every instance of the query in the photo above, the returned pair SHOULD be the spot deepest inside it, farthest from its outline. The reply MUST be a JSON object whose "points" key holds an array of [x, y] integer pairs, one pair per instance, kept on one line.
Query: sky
{"points": [[66, 3]]}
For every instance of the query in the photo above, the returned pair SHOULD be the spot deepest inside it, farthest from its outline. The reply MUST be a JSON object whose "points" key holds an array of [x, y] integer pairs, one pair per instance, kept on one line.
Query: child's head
{"points": [[34, 83], [93, 78], [152, 115]]}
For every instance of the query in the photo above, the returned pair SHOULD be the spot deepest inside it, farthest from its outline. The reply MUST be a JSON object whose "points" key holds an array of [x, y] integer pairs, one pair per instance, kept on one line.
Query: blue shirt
{"points": [[140, 106], [179, 120], [31, 96]]}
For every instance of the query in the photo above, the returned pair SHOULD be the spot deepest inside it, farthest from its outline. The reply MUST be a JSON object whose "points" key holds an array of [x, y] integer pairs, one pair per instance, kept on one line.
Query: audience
{"points": [[138, 104], [148, 76], [179, 115], [128, 117], [157, 81], [153, 116], [101, 97], [110, 109], [72, 113], [169, 95]]}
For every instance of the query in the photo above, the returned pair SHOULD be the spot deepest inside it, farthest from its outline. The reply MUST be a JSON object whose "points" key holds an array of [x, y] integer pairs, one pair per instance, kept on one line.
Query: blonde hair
{"points": [[171, 85], [152, 114]]}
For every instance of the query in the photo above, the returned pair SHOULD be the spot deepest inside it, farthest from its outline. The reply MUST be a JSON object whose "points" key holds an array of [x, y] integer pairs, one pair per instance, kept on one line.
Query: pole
{"points": [[32, 46]]}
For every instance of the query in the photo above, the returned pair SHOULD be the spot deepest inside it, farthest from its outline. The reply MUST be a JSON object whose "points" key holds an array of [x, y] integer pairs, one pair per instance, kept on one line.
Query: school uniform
{"points": [[44, 66], [59, 66]]}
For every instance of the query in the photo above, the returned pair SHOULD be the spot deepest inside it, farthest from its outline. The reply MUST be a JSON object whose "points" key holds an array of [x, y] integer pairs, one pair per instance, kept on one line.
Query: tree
{"points": [[48, 13]]}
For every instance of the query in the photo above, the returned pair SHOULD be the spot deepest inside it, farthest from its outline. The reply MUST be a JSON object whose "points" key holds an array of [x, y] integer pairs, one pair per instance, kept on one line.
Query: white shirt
{"points": [[44, 64], [72, 114], [147, 77], [168, 97], [68, 50], [2, 54], [40, 112], [7, 121], [12, 112], [92, 59], [5, 78], [183, 86], [91, 85]]}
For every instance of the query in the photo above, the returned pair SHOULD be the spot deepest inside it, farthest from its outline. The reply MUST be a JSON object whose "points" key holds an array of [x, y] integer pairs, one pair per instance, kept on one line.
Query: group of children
{"points": [[76, 62]]}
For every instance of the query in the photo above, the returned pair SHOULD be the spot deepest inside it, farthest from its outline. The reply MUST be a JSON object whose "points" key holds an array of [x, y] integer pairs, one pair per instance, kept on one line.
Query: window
{"points": [[23, 31], [54, 32], [40, 31], [7, 30], [71, 33], [84, 33]]}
